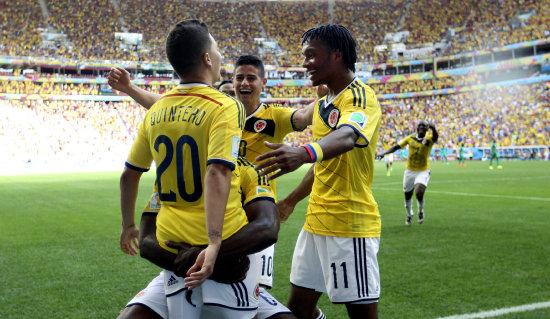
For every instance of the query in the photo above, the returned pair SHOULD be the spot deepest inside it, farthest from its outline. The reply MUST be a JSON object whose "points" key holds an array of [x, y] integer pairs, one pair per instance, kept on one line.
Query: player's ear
{"points": [[264, 82], [336, 55], [206, 59]]}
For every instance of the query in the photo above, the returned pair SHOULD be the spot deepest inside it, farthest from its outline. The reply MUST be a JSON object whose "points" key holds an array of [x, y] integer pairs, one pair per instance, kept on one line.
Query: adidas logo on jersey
{"points": [[172, 281]]}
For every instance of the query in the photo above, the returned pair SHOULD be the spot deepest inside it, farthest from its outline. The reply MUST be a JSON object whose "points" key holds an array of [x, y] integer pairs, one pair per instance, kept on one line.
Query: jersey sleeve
{"points": [[283, 120], [362, 113], [140, 156], [225, 135], [253, 186]]}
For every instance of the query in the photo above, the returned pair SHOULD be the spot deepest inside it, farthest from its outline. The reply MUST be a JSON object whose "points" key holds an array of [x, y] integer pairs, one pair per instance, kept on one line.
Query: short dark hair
{"points": [[185, 45], [337, 38], [224, 82], [251, 60]]}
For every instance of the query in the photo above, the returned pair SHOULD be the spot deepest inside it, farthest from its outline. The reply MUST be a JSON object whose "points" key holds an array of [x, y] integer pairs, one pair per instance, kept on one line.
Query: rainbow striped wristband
{"points": [[315, 152]]}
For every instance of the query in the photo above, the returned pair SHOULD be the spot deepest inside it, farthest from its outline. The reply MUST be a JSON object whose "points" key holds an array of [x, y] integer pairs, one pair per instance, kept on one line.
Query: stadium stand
{"points": [[484, 68]]}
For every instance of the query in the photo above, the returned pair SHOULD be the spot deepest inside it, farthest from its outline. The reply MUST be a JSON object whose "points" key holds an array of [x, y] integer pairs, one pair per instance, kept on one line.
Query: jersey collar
{"points": [[255, 112], [185, 85], [327, 102]]}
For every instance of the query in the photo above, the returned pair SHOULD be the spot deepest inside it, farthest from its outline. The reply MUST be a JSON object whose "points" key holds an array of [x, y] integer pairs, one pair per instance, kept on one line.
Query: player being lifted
{"points": [[193, 133], [417, 172], [264, 122]]}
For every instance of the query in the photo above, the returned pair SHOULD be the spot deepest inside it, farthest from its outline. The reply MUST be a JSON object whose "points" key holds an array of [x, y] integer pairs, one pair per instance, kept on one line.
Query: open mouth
{"points": [[245, 92]]}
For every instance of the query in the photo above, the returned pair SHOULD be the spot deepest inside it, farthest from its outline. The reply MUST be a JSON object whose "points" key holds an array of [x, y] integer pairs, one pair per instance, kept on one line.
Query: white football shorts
{"points": [[265, 260], [213, 299], [388, 158], [345, 268], [411, 178], [153, 297]]}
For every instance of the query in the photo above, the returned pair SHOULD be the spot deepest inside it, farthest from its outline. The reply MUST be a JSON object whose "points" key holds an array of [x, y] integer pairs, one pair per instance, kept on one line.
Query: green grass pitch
{"points": [[485, 244]]}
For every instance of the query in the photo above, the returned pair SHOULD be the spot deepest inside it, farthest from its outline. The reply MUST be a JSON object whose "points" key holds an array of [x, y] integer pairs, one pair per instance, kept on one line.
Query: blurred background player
{"points": [[461, 157], [417, 173], [444, 154], [494, 155], [386, 143]]}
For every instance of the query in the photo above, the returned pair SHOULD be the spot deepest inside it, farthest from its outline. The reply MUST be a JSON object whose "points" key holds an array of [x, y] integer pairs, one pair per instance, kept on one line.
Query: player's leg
{"points": [[498, 162], [138, 312], [303, 302], [150, 303], [408, 189], [361, 311], [420, 185]]}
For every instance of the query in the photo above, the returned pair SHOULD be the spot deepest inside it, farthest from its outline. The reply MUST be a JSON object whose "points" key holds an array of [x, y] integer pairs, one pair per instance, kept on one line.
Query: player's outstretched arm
{"points": [[286, 205], [129, 182], [435, 135], [119, 79], [389, 150], [303, 117], [285, 159]]}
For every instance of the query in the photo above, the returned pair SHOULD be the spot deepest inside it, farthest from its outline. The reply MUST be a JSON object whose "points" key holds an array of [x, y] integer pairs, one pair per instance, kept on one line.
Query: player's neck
{"points": [[339, 84], [250, 108]]}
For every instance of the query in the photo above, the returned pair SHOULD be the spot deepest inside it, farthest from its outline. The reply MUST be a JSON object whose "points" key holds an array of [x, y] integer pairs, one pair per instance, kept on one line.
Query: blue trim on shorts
{"points": [[306, 287], [176, 292], [356, 301], [227, 307]]}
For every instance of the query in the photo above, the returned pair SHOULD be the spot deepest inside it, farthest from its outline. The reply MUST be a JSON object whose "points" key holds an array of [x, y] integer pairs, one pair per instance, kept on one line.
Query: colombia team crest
{"points": [[259, 125], [333, 118]]}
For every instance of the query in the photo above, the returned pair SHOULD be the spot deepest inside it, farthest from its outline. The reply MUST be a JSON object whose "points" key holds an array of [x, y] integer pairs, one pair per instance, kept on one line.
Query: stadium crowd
{"points": [[466, 25]]}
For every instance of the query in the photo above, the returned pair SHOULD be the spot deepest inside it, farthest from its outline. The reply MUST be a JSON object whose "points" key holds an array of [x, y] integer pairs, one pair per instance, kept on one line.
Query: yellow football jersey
{"points": [[253, 187], [190, 127], [419, 152], [341, 202], [270, 122]]}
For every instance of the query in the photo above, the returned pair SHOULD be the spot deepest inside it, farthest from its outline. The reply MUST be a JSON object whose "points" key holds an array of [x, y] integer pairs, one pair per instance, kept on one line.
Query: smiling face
{"points": [[248, 85], [317, 61]]}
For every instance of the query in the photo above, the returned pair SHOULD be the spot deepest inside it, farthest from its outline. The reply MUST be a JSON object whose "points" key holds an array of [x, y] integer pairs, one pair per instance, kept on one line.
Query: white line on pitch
{"points": [[475, 195], [502, 311], [467, 180]]}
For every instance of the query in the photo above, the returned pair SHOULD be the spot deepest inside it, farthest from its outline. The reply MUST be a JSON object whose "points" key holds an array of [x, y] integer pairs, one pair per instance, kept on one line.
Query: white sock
{"points": [[321, 315], [420, 204], [408, 206]]}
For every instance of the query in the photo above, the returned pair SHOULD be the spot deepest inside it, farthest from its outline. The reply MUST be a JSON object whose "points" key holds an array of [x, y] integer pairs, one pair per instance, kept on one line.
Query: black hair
{"points": [[185, 45], [251, 60], [223, 82], [337, 38]]}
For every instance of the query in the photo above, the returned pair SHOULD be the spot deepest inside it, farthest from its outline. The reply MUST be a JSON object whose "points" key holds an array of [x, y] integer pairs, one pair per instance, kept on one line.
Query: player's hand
{"points": [[380, 155], [119, 79], [129, 240], [285, 209], [322, 90], [284, 159], [431, 126], [203, 267]]}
